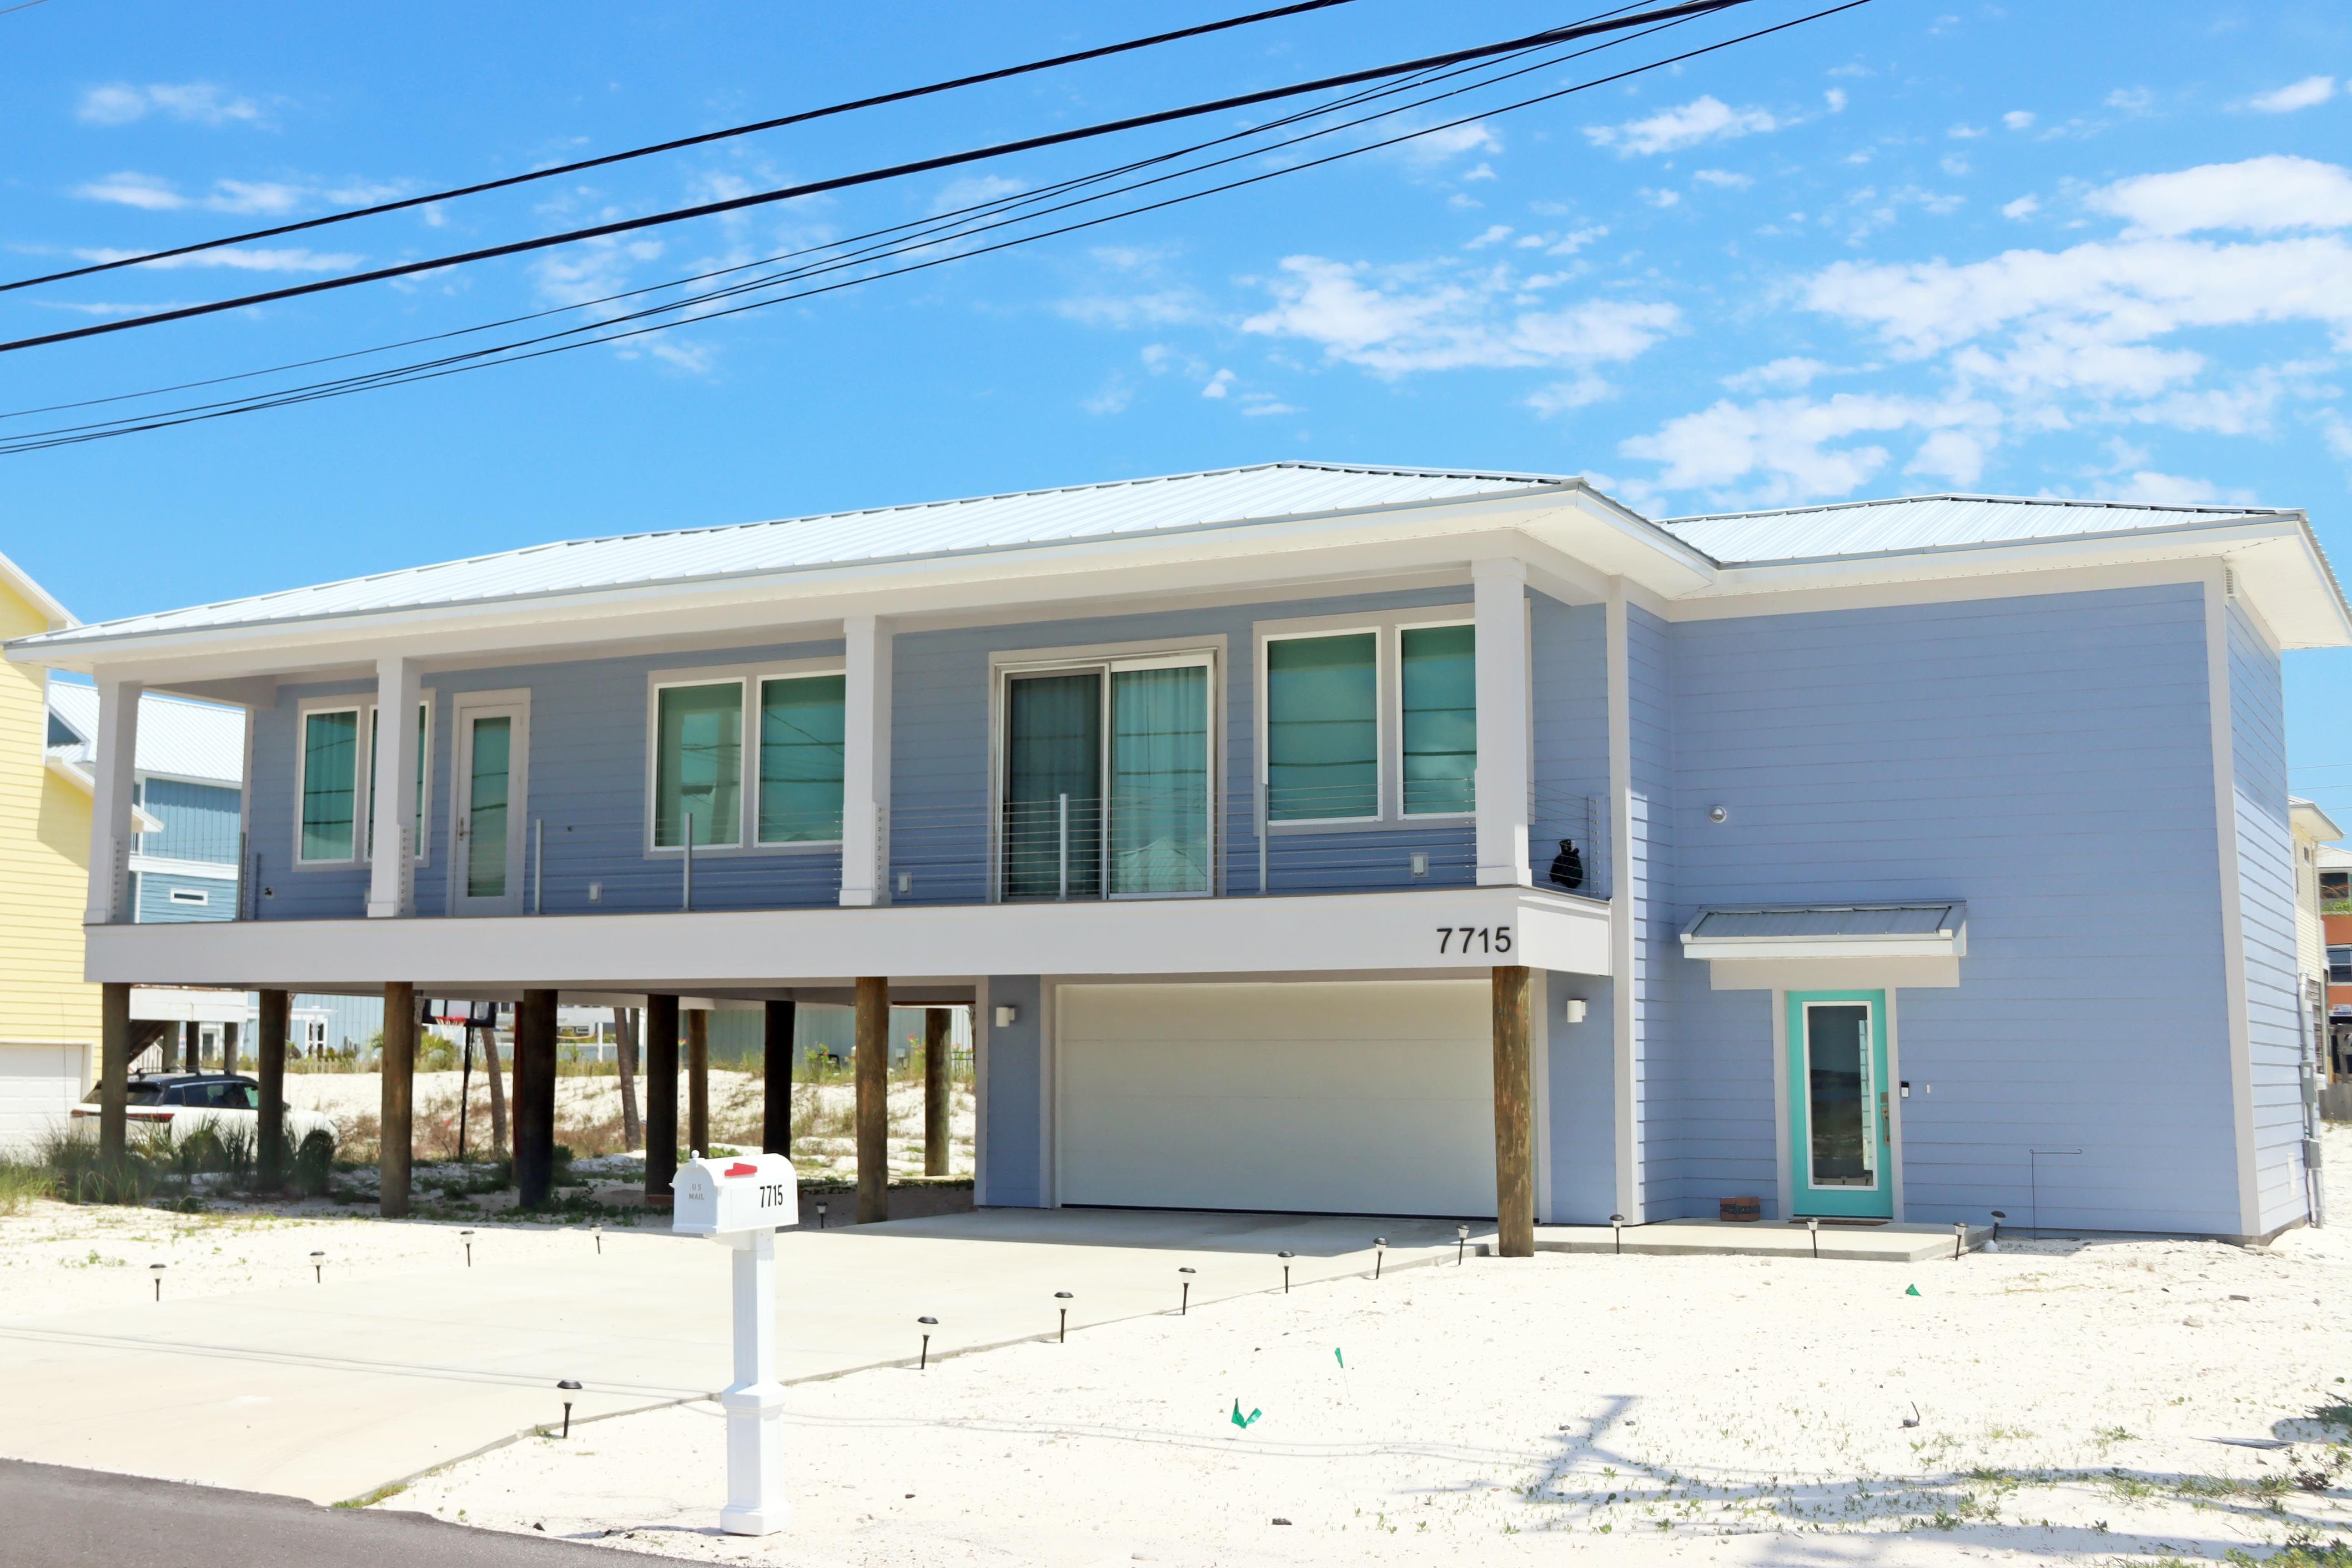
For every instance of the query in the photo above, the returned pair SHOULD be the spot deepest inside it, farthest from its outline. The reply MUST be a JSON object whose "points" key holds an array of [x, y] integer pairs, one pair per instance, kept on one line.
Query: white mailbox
{"points": [[733, 1193], [740, 1201]]}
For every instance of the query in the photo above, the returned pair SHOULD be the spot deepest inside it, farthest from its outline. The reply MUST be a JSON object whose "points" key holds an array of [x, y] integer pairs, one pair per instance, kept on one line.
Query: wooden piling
{"points": [[396, 1143], [873, 1051], [534, 1097], [1515, 1150], [661, 1096], [113, 1069], [192, 1041], [936, 1039], [269, 1063], [776, 1120], [698, 1080]]}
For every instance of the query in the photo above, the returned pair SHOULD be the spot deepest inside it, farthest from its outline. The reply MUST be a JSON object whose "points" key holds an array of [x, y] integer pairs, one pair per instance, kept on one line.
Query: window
{"points": [[1371, 723], [1439, 682], [698, 770], [801, 740], [2339, 966], [753, 756], [329, 783], [191, 895], [1322, 727]]}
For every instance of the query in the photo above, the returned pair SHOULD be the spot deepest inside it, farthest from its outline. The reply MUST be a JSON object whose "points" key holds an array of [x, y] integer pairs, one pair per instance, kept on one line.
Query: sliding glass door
{"points": [[1106, 781]]}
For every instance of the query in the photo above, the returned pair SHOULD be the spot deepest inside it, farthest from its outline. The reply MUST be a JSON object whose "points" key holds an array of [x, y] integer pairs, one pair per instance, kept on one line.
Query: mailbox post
{"points": [[741, 1203]]}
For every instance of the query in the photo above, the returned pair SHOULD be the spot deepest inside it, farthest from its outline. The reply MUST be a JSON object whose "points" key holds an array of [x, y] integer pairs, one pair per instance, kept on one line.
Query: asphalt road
{"points": [[51, 1517]]}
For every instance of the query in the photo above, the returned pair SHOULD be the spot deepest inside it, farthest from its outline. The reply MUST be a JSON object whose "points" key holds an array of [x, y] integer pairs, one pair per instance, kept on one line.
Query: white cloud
{"points": [[1218, 385], [1496, 233], [2131, 100], [1434, 147], [195, 102], [2263, 194], [1704, 118], [1560, 396], [2022, 209], [1397, 320], [2152, 489], [1724, 179], [2337, 433], [1114, 397], [292, 259], [1780, 450], [1660, 199], [1835, 98], [1956, 455], [2018, 120], [1965, 132], [1792, 374], [1150, 308], [1270, 405], [2310, 91], [151, 193], [974, 190], [148, 193]]}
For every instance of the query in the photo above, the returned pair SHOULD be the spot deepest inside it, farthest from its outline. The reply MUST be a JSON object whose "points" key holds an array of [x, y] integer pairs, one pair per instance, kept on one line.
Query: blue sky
{"points": [[1912, 247]]}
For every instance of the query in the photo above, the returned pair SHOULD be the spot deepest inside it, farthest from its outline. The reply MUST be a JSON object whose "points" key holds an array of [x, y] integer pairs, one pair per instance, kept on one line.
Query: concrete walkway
{"points": [[1763, 1238], [330, 1391]]}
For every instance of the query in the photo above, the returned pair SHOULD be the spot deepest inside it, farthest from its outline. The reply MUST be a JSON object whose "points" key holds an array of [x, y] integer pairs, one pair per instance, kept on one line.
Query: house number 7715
{"points": [[1489, 939]]}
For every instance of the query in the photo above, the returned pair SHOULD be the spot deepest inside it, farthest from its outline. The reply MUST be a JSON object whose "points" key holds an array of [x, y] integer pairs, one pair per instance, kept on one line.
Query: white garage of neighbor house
{"points": [[39, 1087]]}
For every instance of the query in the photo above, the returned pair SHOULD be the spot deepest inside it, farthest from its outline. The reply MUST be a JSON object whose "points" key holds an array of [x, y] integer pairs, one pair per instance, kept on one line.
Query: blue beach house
{"points": [[1322, 837]]}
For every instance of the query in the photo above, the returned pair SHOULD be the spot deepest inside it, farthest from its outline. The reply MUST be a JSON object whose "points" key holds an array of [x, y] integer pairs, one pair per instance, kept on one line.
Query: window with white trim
{"points": [[1369, 722], [750, 757], [334, 766]]}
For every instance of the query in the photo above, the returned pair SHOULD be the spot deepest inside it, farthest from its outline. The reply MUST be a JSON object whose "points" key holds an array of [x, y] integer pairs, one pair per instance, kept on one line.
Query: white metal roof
{"points": [[1927, 523], [183, 739], [929, 528], [1830, 931]]}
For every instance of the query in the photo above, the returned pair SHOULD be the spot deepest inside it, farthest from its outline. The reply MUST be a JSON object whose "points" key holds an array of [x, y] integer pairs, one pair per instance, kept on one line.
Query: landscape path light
{"points": [[1380, 1252], [1184, 1306], [1959, 1237], [820, 1217], [598, 1232], [1062, 1335], [568, 1386], [1460, 1243], [157, 1271], [1813, 1228], [467, 1238], [318, 1269], [1617, 1229], [924, 1363], [1285, 1257], [1994, 1245]]}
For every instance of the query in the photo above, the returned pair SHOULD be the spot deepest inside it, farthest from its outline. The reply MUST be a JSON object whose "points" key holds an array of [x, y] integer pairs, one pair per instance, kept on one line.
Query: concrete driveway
{"points": [[330, 1391]]}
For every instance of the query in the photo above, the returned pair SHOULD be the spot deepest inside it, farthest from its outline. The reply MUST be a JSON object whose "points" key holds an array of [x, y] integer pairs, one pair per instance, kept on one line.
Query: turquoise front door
{"points": [[1841, 1142]]}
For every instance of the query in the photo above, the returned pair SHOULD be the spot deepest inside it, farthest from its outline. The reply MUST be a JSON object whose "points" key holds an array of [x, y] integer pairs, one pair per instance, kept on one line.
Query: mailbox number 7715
{"points": [[1490, 939], [771, 1196]]}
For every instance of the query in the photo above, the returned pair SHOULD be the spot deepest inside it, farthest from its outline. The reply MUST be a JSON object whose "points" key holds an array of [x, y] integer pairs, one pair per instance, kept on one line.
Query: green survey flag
{"points": [[1243, 1421]]}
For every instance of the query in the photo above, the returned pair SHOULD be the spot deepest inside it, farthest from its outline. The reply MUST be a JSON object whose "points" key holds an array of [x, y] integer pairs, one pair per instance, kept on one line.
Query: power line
{"points": [[902, 96], [955, 224], [870, 176], [480, 359]]}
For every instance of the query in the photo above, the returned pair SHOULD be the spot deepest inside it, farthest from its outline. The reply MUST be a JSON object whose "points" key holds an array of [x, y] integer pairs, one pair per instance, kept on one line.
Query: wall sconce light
{"points": [[1717, 814], [1007, 1015], [1573, 1011]]}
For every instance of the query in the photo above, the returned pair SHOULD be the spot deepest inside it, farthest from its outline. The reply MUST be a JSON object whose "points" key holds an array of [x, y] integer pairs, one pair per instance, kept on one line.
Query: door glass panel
{"points": [[1053, 749], [487, 794], [1322, 727], [1838, 1088], [1439, 674], [1160, 781]]}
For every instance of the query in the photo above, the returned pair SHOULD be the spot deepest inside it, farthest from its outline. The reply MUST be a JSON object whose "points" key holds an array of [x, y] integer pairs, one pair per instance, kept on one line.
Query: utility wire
{"points": [[901, 96], [937, 229], [478, 360], [870, 176]]}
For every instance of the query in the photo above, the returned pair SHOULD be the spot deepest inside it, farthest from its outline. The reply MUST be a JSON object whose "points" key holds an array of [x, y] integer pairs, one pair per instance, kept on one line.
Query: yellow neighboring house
{"points": [[48, 1013]]}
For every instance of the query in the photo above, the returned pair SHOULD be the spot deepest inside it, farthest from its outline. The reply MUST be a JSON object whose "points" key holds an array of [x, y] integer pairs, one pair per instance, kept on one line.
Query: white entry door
{"points": [[489, 802], [1372, 1098]]}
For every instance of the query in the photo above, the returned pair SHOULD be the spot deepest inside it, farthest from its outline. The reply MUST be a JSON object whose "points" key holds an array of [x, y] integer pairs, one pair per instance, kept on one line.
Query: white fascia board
{"points": [[1954, 945], [2277, 560], [1333, 934], [162, 866], [187, 1005]]}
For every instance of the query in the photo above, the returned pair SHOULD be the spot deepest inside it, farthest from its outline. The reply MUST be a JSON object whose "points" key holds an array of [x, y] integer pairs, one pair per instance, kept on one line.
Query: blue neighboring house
{"points": [[1343, 838], [190, 782]]}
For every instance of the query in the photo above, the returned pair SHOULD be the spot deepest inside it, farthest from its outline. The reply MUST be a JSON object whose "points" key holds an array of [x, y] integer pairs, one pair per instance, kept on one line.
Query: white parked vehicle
{"points": [[180, 1103]]}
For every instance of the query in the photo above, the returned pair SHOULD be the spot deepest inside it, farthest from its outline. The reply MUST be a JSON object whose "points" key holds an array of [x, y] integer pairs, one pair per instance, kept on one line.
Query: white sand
{"points": [[2068, 1399]]}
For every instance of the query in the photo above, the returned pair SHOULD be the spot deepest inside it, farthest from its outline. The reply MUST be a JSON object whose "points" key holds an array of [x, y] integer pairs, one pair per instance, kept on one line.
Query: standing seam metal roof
{"points": [[926, 528], [187, 740], [1927, 523]]}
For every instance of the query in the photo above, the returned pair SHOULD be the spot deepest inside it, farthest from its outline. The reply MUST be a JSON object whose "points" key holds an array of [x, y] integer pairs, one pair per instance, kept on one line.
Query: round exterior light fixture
{"points": [[1717, 814]]}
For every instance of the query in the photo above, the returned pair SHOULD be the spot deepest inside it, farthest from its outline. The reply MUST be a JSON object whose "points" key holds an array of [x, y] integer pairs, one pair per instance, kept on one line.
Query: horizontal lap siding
{"points": [[200, 821], [2048, 759], [2266, 908], [1568, 646], [157, 907]]}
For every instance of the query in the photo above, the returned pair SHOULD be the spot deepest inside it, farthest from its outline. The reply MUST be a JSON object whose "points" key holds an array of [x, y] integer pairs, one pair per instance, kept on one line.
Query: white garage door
{"points": [[38, 1085], [1375, 1097]]}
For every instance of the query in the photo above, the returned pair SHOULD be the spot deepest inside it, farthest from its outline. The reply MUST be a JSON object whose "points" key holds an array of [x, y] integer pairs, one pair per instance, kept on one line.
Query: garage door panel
{"points": [[38, 1087], [1367, 1099]]}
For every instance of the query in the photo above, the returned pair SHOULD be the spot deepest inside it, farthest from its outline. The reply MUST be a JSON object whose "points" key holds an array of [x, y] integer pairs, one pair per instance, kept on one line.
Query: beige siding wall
{"points": [[44, 849]]}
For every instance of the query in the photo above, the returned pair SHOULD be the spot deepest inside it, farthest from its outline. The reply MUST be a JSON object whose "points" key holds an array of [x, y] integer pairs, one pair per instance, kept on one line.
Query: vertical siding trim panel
{"points": [[1621, 904], [2223, 740]]}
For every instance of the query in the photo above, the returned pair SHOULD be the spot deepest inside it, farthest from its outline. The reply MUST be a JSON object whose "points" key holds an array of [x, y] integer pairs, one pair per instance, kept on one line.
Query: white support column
{"points": [[392, 793], [866, 764], [115, 770], [1499, 595]]}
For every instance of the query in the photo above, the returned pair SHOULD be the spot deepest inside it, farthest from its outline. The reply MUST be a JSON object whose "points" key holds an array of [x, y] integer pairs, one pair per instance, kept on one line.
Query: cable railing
{"points": [[1045, 846]]}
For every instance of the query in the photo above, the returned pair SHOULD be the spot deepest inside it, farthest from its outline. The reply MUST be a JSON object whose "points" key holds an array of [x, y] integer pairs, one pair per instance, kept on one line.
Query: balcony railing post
{"points": [[1261, 836], [1062, 813], [685, 892], [538, 862]]}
